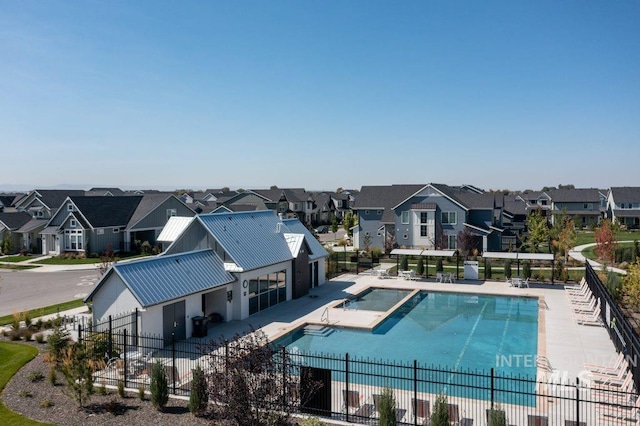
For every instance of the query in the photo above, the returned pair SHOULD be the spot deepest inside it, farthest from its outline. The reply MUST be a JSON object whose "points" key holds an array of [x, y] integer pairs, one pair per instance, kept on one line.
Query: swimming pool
{"points": [[450, 331]]}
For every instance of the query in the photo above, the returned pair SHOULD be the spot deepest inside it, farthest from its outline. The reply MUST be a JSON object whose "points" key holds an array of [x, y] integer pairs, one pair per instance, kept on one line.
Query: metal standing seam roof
{"points": [[174, 227], [252, 239], [163, 278], [317, 250]]}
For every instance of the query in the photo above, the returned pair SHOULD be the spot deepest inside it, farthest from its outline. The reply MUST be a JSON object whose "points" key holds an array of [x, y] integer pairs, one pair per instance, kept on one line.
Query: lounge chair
{"points": [[454, 414], [619, 413], [607, 377], [589, 319], [421, 411], [604, 369], [353, 403], [536, 420]]}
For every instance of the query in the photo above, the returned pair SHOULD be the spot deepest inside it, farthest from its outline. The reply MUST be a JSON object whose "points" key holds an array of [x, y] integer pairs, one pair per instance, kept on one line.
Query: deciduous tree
{"points": [[606, 242], [538, 231]]}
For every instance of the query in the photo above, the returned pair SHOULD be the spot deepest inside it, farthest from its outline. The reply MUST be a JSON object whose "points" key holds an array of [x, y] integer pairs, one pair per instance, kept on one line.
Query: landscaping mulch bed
{"points": [[25, 397]]}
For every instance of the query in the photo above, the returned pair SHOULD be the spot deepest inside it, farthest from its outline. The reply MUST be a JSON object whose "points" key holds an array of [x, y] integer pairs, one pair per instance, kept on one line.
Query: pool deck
{"points": [[566, 344]]}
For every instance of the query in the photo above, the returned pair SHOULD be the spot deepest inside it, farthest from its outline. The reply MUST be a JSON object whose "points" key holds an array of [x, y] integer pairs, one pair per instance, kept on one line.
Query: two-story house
{"points": [[580, 204], [623, 206]]}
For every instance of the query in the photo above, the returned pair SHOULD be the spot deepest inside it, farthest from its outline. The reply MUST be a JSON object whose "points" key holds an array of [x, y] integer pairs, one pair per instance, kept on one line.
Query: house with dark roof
{"points": [[623, 206], [7, 202], [104, 192], [10, 224], [289, 202], [227, 265], [93, 224], [427, 216], [580, 204]]}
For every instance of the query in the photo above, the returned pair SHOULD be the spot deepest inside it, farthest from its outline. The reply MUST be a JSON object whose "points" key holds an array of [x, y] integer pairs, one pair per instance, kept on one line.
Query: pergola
{"points": [[427, 253], [518, 257]]}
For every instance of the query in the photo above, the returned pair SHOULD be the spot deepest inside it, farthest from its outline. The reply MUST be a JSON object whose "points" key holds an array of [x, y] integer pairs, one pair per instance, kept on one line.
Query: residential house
{"points": [[7, 202], [10, 223], [580, 204], [623, 206], [229, 264], [536, 200], [104, 192], [290, 202], [427, 216]]}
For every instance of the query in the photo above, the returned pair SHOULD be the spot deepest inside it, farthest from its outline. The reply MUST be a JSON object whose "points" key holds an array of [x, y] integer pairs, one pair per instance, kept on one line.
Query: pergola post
{"points": [[457, 265], [427, 266]]}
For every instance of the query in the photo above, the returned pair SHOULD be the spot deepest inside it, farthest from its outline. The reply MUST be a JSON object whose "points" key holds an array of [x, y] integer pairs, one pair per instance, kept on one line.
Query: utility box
{"points": [[470, 270]]}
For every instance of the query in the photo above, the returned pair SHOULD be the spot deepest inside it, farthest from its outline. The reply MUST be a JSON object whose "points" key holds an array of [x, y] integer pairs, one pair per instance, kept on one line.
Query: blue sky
{"points": [[319, 94]]}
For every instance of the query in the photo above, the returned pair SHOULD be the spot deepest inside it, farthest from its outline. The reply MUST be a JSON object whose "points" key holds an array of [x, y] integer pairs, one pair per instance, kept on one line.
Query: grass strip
{"points": [[12, 357], [38, 312]]}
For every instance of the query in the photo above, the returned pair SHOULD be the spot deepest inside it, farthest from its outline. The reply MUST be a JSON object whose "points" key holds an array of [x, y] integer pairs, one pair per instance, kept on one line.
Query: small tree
{"points": [[159, 387], [78, 372], [466, 241], [631, 287], [348, 223], [420, 266], [334, 225], [439, 267], [538, 231], [107, 259], [507, 269], [497, 416], [387, 408], [606, 243], [613, 285], [57, 342], [440, 415], [199, 398], [404, 263], [526, 270], [487, 271]]}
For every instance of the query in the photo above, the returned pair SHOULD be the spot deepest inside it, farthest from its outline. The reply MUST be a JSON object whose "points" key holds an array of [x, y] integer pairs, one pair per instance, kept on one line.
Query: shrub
{"points": [[404, 263], [26, 334], [36, 376], [376, 253], [387, 408], [46, 403], [487, 270], [53, 377], [102, 390], [440, 415], [145, 248], [526, 270], [507, 269], [15, 320], [613, 285], [78, 373], [121, 388], [159, 387], [497, 417], [420, 266], [25, 394], [198, 399], [439, 267], [57, 341], [312, 421], [39, 338], [141, 391]]}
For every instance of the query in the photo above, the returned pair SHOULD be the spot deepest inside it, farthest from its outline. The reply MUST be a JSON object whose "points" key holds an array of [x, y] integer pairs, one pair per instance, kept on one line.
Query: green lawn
{"points": [[590, 252], [587, 237], [12, 259], [12, 357], [16, 267], [86, 261], [53, 309]]}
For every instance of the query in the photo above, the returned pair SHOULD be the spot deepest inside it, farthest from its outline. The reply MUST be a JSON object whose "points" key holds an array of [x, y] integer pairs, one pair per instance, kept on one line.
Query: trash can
{"points": [[199, 326]]}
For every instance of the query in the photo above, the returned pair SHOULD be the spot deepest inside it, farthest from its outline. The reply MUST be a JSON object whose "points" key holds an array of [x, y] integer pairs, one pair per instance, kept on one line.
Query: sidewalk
{"points": [[576, 253]]}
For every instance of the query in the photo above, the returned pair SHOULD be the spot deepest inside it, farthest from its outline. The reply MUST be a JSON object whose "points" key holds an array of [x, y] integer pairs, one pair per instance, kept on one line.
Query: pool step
{"points": [[318, 330]]}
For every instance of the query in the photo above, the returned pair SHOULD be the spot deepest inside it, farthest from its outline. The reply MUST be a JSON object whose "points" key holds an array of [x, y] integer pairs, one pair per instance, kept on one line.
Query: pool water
{"points": [[448, 331], [377, 299]]}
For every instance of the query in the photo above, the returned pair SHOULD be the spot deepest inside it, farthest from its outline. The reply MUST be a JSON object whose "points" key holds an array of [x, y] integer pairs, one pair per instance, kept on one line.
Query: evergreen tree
{"points": [[159, 386]]}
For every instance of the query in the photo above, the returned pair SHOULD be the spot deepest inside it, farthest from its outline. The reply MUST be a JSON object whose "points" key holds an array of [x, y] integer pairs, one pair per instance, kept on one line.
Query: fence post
{"points": [[577, 400], [173, 361], [110, 338], [124, 346], [346, 384], [492, 386], [415, 392], [79, 333], [284, 377], [135, 332]]}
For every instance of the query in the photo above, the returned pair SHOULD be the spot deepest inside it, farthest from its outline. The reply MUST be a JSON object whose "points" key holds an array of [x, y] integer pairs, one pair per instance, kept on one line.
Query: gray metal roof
{"points": [[317, 250], [252, 239], [164, 278], [173, 228]]}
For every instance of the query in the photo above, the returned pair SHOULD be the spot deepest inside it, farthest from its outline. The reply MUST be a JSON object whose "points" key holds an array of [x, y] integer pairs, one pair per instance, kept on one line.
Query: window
{"points": [[267, 291], [405, 237], [452, 242], [100, 231], [405, 218], [73, 240], [378, 212], [450, 218], [587, 206], [423, 231], [69, 207], [116, 230], [72, 223], [366, 212], [171, 213], [424, 216]]}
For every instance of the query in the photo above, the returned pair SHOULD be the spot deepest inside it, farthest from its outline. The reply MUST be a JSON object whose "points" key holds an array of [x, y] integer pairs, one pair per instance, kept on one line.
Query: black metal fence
{"points": [[620, 330], [349, 388]]}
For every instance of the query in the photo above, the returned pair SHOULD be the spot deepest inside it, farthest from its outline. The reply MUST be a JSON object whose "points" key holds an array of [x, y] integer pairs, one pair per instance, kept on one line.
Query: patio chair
{"points": [[353, 403], [536, 420], [604, 369], [589, 319], [421, 410], [454, 413]]}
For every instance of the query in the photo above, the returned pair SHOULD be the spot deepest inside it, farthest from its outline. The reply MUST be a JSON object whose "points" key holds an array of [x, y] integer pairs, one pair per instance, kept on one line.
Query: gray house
{"points": [[623, 206], [583, 204], [10, 223]]}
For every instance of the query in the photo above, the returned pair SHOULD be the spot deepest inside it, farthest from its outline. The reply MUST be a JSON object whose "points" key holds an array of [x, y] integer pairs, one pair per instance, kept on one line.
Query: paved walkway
{"points": [[576, 253]]}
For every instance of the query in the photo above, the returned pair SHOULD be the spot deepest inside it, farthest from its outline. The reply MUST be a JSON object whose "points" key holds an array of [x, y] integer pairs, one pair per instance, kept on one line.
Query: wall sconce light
{"points": [[229, 295]]}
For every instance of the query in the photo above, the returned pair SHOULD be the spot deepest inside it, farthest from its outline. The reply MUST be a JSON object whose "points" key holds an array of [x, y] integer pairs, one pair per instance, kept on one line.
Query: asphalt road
{"points": [[20, 290]]}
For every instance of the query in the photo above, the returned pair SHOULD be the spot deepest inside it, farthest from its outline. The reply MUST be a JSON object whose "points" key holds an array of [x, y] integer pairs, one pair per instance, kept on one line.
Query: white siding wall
{"points": [[114, 298]]}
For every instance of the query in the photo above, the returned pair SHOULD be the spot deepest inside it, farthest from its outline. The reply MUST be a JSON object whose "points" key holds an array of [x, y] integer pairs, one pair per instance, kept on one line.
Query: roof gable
{"points": [[14, 220], [317, 250], [101, 212]]}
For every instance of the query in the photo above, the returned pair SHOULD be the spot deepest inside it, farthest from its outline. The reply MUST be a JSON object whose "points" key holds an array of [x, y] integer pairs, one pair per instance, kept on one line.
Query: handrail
{"points": [[325, 315]]}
